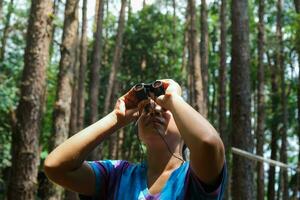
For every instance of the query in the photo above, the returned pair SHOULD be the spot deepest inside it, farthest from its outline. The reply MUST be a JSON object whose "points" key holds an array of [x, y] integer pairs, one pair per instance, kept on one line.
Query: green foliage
{"points": [[10, 76], [151, 50]]}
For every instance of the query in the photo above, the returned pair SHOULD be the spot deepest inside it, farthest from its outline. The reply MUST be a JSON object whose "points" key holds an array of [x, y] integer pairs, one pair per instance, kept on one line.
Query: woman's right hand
{"points": [[126, 108]]}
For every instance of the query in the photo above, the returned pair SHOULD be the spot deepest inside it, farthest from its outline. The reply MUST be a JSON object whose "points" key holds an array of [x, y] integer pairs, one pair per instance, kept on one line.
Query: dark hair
{"points": [[184, 147]]}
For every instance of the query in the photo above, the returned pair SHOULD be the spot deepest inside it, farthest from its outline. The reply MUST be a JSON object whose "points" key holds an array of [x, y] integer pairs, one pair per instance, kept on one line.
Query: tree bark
{"points": [[297, 7], [25, 139], [213, 104], [185, 43], [55, 11], [113, 143], [174, 20], [222, 80], [241, 101], [129, 13], [97, 4], [196, 86], [95, 75], [82, 68], [260, 103], [1, 9], [298, 103], [283, 132], [204, 55], [74, 102], [274, 127], [6, 30], [62, 107], [70, 195], [96, 65], [113, 147], [117, 57]]}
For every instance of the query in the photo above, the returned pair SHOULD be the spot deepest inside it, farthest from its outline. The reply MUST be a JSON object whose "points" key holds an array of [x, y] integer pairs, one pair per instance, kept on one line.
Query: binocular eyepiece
{"points": [[143, 90]]}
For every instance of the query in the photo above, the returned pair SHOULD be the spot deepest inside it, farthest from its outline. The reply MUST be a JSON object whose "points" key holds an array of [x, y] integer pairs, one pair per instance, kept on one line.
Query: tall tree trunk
{"points": [[274, 127], [298, 103], [62, 107], [97, 4], [117, 57], [190, 58], [70, 195], [114, 71], [82, 68], [1, 9], [196, 87], [297, 7], [74, 101], [121, 137], [129, 9], [95, 74], [56, 5], [283, 132], [260, 104], [25, 140], [222, 74], [96, 65], [204, 55], [213, 104], [241, 101], [185, 44], [114, 138], [222, 104], [174, 20], [6, 30]]}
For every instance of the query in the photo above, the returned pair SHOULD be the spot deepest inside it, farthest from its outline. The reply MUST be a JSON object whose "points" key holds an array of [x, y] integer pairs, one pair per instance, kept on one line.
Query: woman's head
{"points": [[155, 125]]}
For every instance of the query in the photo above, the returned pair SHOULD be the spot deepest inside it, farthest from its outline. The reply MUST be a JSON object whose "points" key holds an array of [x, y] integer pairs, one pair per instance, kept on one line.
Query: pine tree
{"points": [[25, 139]]}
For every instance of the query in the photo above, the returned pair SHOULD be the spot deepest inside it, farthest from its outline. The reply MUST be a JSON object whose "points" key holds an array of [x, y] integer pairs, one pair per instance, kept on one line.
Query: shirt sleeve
{"points": [[103, 171], [200, 189]]}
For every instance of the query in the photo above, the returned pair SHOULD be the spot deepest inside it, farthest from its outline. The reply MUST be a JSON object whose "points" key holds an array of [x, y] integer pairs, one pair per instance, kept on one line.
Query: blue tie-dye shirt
{"points": [[120, 179]]}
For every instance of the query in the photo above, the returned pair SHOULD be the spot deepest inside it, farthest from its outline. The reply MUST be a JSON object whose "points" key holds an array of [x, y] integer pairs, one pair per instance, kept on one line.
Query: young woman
{"points": [[165, 123]]}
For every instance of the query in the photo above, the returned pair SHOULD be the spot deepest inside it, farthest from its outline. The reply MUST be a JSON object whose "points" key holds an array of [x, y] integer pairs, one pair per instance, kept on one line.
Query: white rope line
{"points": [[262, 159]]}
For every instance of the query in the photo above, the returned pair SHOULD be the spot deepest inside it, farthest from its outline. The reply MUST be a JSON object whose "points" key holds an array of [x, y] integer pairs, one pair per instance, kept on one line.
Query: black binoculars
{"points": [[143, 89]]}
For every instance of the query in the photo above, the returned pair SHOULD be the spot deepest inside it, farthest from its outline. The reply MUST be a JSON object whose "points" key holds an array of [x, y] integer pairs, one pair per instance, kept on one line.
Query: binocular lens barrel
{"points": [[139, 87], [143, 90], [157, 84]]}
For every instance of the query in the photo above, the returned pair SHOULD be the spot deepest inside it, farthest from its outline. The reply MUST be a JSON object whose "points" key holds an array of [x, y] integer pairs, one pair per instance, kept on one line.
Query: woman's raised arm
{"points": [[206, 147], [65, 165]]}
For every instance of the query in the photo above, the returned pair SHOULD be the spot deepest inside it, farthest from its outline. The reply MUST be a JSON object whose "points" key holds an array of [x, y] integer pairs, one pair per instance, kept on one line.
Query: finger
{"points": [[130, 99], [159, 99], [170, 85], [142, 104], [162, 98], [133, 114]]}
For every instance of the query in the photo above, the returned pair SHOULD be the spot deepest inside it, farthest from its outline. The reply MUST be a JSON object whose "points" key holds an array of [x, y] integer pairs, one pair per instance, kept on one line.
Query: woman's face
{"points": [[155, 123]]}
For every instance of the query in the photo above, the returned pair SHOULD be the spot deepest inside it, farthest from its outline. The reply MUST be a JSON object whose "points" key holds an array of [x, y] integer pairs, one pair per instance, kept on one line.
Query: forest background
{"points": [[63, 64]]}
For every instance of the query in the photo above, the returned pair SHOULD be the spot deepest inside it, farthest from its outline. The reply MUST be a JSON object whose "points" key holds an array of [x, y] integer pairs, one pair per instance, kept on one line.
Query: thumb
{"points": [[159, 100], [120, 107], [162, 99]]}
